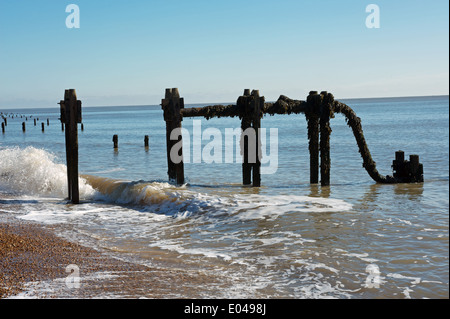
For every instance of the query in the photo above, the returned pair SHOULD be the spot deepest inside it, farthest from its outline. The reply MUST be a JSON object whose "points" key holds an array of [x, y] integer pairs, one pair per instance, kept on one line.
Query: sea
{"points": [[286, 239]]}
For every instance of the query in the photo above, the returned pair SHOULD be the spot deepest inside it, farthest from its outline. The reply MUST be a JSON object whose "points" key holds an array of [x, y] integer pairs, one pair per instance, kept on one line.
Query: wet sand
{"points": [[33, 263]]}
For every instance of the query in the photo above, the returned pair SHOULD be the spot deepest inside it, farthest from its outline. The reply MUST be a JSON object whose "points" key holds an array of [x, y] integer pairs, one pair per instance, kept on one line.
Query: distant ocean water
{"points": [[287, 239]]}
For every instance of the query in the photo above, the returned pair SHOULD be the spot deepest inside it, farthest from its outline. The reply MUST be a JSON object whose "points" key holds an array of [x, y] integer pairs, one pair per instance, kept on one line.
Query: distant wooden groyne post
{"points": [[70, 109], [172, 105]]}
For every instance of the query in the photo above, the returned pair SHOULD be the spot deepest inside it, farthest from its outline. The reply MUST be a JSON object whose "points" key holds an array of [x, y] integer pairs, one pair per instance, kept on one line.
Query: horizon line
{"points": [[350, 98], [226, 103]]}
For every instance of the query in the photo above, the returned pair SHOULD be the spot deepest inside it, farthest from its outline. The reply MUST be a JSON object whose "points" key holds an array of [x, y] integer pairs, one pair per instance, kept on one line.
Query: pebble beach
{"points": [[33, 257]]}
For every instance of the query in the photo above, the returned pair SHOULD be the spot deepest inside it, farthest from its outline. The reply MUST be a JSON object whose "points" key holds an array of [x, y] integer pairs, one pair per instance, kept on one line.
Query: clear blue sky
{"points": [[128, 51]]}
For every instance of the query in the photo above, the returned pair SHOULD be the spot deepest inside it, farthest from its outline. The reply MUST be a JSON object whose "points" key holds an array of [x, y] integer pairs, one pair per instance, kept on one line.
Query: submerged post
{"points": [[407, 171], [325, 132], [257, 106], [312, 116], [415, 169], [250, 111], [243, 104], [172, 105], [70, 116]]}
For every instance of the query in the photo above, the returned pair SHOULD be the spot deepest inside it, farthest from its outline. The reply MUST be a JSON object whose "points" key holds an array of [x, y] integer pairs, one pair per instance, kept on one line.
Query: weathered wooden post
{"points": [[71, 115], [115, 140], [34, 122], [250, 111], [43, 126], [325, 132], [312, 116], [407, 171], [146, 141], [257, 104], [416, 169], [48, 122], [172, 105], [399, 166], [3, 127], [243, 104], [23, 127]]}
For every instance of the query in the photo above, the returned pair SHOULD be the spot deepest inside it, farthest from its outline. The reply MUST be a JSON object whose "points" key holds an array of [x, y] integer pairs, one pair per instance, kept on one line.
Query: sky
{"points": [[127, 52]]}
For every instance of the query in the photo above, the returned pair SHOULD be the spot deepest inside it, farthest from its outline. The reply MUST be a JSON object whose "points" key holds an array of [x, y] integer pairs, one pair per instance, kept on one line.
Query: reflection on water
{"points": [[412, 191], [319, 191]]}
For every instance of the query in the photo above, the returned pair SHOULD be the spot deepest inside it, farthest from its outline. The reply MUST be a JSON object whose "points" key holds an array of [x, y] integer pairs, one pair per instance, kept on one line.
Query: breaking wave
{"points": [[36, 172]]}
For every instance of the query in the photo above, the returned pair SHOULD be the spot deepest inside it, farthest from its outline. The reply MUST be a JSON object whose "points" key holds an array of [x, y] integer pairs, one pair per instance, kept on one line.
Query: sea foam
{"points": [[36, 172], [32, 171]]}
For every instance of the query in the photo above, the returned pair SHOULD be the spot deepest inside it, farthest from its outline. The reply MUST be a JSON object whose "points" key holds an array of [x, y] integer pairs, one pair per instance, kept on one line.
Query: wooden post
{"points": [[115, 140], [312, 116], [71, 116], [66, 136], [413, 166], [48, 122], [399, 167], [146, 140], [325, 132], [250, 106], [407, 171], [172, 105], [400, 156], [43, 127], [415, 169], [243, 104], [23, 127], [167, 105], [3, 127], [257, 105], [34, 122]]}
